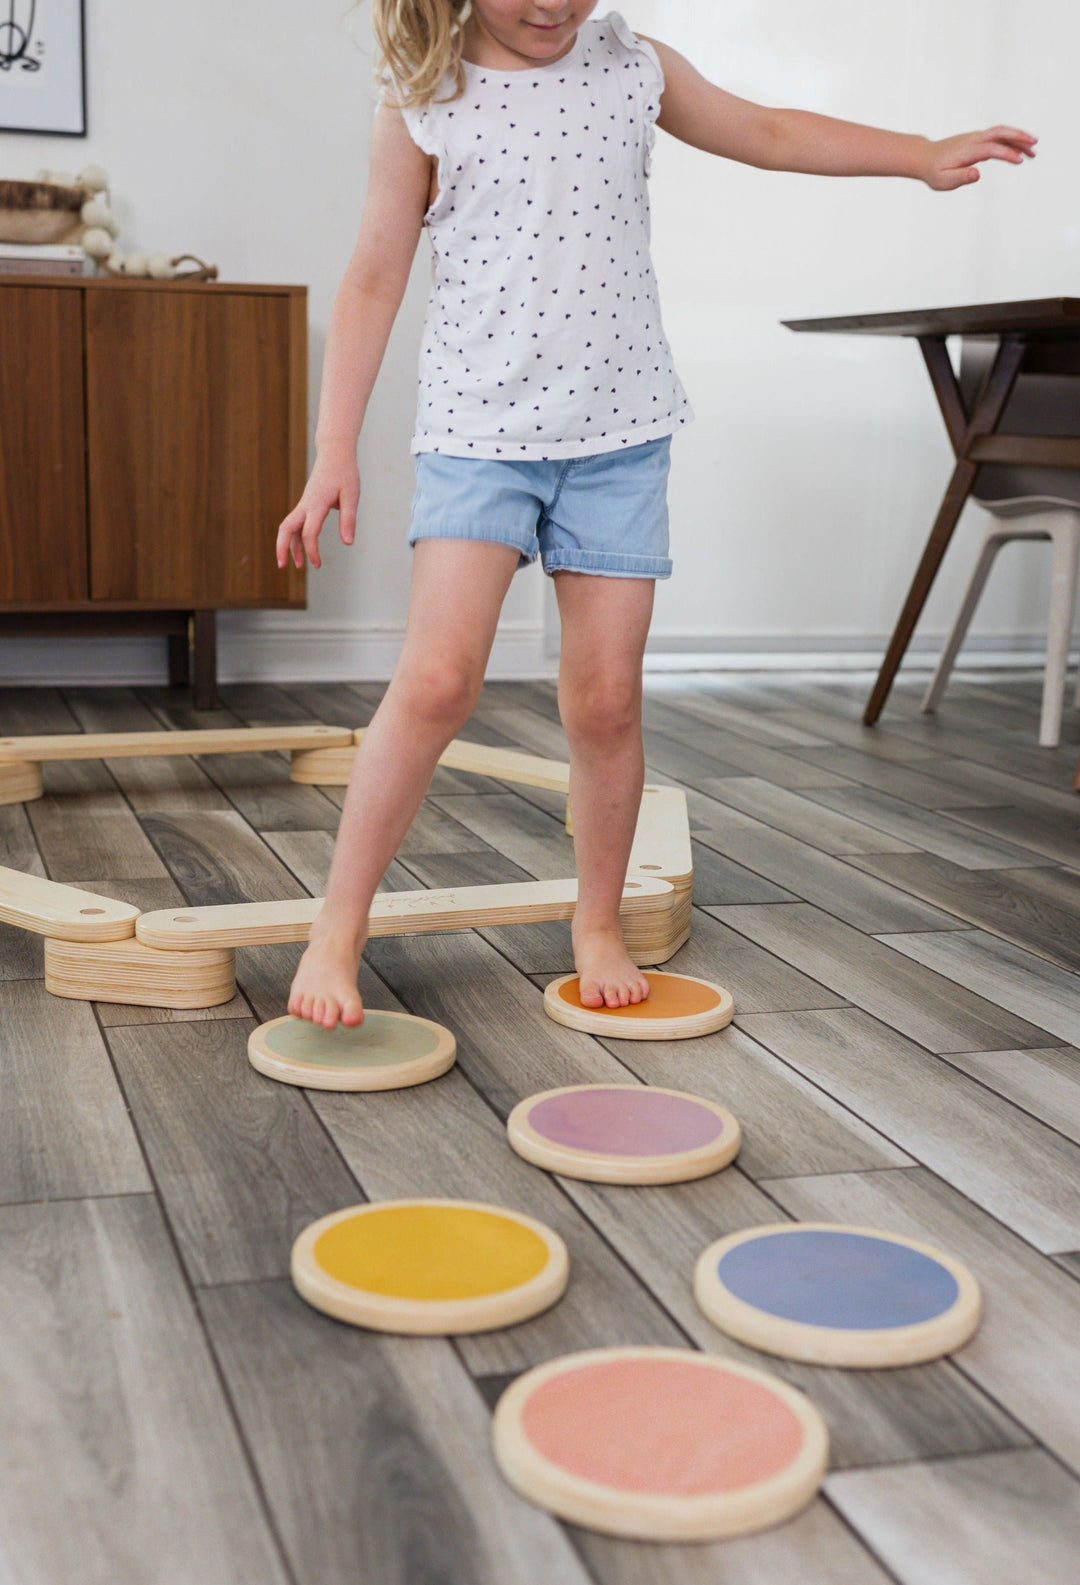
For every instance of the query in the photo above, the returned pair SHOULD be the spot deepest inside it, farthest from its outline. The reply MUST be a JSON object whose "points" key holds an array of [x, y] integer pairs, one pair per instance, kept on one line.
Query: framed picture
{"points": [[42, 67]]}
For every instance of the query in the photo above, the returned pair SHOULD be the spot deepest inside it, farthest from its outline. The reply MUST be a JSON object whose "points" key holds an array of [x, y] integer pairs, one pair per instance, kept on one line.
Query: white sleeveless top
{"points": [[543, 335]]}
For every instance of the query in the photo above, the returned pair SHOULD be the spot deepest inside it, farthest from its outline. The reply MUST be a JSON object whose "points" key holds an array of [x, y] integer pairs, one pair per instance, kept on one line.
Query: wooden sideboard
{"points": [[152, 436]]}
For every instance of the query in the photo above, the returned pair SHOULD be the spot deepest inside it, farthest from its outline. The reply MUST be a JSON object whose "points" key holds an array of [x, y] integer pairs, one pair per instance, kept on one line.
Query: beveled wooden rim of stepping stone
{"points": [[920, 1333], [700, 1136], [430, 1267], [434, 1052], [585, 1437], [708, 1007]]}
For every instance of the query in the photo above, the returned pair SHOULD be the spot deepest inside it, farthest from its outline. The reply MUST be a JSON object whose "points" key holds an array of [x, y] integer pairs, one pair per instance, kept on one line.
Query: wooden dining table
{"points": [[1039, 337]]}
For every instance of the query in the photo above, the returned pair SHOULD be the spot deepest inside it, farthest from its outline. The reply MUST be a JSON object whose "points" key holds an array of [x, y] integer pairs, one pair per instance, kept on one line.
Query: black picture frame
{"points": [[60, 111]]}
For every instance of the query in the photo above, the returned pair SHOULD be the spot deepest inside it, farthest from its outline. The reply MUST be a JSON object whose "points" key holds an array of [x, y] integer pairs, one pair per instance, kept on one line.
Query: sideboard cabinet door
{"points": [[188, 424], [42, 457]]}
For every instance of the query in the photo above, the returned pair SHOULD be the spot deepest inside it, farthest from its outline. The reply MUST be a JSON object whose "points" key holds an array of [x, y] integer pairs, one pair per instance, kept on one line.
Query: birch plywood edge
{"points": [[138, 745], [63, 912], [137, 976], [392, 914], [21, 758]]}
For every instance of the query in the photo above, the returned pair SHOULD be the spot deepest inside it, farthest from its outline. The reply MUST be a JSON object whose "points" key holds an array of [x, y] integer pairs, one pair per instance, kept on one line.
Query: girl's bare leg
{"points": [[605, 622], [458, 586]]}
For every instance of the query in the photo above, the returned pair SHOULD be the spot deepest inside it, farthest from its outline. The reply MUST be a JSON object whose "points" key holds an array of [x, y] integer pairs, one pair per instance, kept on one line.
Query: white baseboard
{"points": [[673, 652], [271, 648], [281, 647]]}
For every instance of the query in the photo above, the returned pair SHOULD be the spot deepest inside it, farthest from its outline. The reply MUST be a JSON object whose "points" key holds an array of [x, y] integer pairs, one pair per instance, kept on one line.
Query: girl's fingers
{"points": [[1013, 132], [290, 526], [310, 536], [347, 515]]}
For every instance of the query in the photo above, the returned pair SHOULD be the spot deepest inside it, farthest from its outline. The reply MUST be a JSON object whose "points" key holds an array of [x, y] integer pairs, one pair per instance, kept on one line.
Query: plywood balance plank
{"points": [[392, 914], [136, 745], [326, 767], [63, 912]]}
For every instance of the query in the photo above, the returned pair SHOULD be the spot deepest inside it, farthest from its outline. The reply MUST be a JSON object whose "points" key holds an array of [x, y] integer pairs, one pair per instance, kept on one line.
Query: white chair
{"points": [[1026, 503]]}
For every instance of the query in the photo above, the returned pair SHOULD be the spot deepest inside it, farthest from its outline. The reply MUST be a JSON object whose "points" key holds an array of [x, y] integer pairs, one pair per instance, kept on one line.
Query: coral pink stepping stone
{"points": [[661, 1444]]}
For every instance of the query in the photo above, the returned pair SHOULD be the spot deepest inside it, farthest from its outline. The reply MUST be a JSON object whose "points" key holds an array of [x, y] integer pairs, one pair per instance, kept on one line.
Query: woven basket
{"points": [[40, 212]]}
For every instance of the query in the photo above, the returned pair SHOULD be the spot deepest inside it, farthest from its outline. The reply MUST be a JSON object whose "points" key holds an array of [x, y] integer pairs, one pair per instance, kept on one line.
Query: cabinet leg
{"points": [[205, 647], [179, 659]]}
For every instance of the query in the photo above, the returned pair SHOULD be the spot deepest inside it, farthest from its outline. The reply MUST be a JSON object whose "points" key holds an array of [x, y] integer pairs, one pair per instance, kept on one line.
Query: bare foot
{"points": [[324, 988], [607, 975]]}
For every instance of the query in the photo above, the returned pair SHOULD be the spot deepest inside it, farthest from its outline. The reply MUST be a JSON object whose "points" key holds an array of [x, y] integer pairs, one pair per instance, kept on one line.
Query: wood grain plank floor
{"points": [[120, 1460], [996, 970], [833, 884], [240, 1162], [1002, 1158], [64, 1129], [374, 1452], [926, 1006], [925, 830], [999, 1519], [1035, 908], [905, 1055]]}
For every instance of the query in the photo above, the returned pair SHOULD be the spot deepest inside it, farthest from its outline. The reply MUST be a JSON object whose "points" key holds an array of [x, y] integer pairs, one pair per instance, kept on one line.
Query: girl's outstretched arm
{"points": [[363, 314], [698, 112]]}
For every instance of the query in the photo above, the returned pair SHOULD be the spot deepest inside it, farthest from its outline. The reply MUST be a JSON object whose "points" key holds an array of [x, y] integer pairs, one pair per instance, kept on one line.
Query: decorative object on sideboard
{"points": [[58, 208]]}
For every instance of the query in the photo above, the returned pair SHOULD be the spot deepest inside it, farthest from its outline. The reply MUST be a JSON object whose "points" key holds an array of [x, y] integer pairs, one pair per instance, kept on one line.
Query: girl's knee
{"points": [[601, 707], [439, 691]]}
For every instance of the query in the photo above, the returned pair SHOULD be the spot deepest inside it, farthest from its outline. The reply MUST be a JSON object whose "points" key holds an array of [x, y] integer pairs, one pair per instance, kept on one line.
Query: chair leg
{"points": [[1064, 530], [991, 545]]}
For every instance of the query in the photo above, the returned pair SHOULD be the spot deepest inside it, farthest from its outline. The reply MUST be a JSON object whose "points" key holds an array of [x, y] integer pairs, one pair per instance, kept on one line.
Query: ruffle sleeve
{"points": [[654, 80]]}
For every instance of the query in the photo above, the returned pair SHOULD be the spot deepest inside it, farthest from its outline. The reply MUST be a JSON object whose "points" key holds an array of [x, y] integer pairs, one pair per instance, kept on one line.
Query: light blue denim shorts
{"points": [[605, 514]]}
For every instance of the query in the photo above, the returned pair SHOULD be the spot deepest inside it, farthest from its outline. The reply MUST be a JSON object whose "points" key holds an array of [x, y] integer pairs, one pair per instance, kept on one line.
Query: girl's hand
{"points": [[952, 162], [334, 481]]}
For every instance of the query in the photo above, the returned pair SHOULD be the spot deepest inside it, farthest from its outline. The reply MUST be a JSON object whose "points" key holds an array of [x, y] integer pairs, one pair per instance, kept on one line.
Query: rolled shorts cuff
{"points": [[606, 564], [513, 537]]}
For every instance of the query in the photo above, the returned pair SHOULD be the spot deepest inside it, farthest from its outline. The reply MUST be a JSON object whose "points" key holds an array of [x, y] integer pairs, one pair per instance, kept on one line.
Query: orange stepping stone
{"points": [[678, 1007]]}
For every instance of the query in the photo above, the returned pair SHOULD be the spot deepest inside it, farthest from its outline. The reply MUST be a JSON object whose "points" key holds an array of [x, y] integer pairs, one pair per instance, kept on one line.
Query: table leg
{"points": [[984, 421], [936, 546]]}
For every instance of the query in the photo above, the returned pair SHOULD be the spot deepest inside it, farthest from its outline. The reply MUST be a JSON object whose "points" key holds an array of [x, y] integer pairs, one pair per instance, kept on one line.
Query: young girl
{"points": [[518, 133]]}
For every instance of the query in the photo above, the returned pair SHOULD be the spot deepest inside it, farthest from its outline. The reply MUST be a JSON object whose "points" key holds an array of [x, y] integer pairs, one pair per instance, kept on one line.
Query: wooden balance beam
{"points": [[99, 950], [330, 766], [21, 758], [184, 957]]}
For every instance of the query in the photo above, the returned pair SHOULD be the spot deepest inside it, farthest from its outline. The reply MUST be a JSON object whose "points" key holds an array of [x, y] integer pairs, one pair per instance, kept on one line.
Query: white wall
{"points": [[804, 492]]}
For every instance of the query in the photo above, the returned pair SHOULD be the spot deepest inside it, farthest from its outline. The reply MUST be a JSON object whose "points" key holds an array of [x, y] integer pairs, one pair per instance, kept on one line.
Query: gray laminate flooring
{"points": [[896, 913]]}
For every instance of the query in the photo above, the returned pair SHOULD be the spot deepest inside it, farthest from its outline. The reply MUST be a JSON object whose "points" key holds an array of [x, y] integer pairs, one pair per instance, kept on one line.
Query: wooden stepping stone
{"points": [[678, 1007], [835, 1295], [624, 1133], [660, 1444], [430, 1267], [389, 1051]]}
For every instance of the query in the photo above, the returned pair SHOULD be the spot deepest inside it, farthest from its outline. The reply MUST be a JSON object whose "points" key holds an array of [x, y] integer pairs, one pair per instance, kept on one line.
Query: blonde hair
{"points": [[419, 42]]}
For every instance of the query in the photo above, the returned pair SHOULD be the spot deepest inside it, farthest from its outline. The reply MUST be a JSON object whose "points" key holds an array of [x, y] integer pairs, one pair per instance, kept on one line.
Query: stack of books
{"points": [[31, 258]]}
